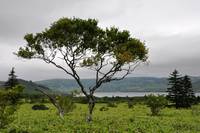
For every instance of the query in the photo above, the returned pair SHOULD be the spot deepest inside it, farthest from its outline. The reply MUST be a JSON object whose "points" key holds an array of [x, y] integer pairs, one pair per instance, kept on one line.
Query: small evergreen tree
{"points": [[187, 92], [12, 80], [176, 86]]}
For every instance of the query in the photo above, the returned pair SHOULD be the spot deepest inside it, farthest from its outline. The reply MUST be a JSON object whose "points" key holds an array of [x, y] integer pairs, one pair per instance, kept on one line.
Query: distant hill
{"points": [[132, 84], [1, 84], [29, 86]]}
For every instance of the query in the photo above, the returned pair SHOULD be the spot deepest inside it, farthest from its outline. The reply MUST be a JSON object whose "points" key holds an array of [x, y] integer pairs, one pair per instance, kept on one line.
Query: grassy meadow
{"points": [[120, 119]]}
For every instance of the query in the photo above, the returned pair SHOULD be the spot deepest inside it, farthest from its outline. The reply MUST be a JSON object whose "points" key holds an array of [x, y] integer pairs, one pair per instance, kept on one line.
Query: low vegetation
{"points": [[119, 119], [156, 103], [9, 98], [112, 104], [66, 103], [39, 107], [148, 114]]}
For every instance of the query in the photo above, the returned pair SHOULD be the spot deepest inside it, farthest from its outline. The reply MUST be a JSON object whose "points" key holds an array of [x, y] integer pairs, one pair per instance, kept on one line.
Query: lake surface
{"points": [[130, 94]]}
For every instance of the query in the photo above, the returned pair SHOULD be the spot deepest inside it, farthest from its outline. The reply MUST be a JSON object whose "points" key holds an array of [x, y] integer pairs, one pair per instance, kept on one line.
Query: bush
{"points": [[103, 108], [6, 113], [111, 104], [66, 103], [130, 104], [39, 107], [80, 99], [195, 110], [156, 103], [9, 99]]}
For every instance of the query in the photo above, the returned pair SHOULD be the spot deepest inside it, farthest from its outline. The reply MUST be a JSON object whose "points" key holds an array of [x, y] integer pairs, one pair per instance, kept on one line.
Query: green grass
{"points": [[116, 120]]}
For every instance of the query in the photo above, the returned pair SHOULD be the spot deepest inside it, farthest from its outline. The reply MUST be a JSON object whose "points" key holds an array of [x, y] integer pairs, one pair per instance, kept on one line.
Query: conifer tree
{"points": [[12, 79], [187, 93], [180, 91], [175, 88]]}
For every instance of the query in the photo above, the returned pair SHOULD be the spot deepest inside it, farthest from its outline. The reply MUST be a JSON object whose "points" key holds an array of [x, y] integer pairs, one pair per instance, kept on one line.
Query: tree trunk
{"points": [[54, 102], [61, 113], [91, 105]]}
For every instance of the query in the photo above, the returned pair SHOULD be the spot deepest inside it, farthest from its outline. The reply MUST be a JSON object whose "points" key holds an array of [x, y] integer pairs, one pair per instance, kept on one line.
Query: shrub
{"points": [[39, 107], [103, 108], [6, 113], [9, 99], [195, 110], [111, 104], [156, 103], [130, 104], [66, 103]]}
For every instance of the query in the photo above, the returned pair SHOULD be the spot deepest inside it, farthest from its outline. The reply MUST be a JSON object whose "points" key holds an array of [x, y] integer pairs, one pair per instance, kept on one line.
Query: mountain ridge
{"points": [[30, 87], [129, 84]]}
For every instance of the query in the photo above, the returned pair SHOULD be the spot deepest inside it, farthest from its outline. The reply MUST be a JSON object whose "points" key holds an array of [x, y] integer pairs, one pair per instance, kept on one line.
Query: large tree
{"points": [[73, 43]]}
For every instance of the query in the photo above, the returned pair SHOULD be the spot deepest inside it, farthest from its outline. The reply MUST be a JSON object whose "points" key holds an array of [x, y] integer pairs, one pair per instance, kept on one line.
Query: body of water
{"points": [[130, 94]]}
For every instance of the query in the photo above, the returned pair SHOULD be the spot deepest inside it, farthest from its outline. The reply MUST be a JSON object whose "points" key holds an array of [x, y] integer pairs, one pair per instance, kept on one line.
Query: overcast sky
{"points": [[170, 28]]}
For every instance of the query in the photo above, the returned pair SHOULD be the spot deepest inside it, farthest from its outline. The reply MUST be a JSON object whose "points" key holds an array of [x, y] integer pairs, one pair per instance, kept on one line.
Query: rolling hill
{"points": [[29, 86], [131, 84]]}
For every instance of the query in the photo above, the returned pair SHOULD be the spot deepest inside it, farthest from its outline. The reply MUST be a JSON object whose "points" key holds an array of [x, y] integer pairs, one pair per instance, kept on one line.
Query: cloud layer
{"points": [[170, 29]]}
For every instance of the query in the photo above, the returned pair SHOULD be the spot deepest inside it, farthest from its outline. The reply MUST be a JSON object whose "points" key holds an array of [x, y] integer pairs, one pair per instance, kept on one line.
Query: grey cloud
{"points": [[170, 29], [174, 47]]}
